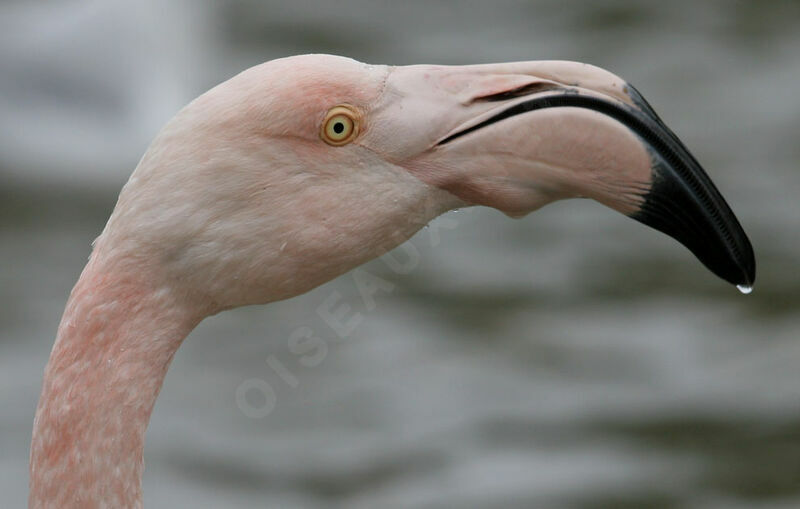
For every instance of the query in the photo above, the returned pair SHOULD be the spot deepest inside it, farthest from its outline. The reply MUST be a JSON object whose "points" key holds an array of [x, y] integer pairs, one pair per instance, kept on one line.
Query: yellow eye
{"points": [[340, 126]]}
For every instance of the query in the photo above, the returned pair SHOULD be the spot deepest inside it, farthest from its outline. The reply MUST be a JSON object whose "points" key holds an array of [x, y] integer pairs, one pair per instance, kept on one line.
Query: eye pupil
{"points": [[340, 125]]}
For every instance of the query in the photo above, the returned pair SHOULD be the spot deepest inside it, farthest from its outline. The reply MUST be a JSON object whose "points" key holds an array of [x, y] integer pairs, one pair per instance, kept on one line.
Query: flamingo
{"points": [[298, 170]]}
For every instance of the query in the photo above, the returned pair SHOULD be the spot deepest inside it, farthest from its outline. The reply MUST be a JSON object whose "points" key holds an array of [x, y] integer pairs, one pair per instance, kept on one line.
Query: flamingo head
{"points": [[302, 168]]}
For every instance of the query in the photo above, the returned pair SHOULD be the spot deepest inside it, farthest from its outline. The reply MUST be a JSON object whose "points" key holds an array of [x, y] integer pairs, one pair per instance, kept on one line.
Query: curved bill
{"points": [[681, 202]]}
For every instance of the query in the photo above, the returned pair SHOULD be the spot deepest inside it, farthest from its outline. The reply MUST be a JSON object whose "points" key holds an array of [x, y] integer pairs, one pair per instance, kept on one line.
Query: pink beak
{"points": [[516, 136]]}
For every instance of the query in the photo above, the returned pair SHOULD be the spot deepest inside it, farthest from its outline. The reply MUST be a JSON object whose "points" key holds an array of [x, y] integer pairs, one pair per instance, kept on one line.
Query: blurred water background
{"points": [[572, 359]]}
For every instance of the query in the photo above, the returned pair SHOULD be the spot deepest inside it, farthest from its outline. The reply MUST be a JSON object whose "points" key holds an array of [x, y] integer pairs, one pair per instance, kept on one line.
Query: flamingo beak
{"points": [[525, 134]]}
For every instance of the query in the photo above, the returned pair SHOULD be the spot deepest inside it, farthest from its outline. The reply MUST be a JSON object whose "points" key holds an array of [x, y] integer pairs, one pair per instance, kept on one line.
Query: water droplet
{"points": [[745, 289]]}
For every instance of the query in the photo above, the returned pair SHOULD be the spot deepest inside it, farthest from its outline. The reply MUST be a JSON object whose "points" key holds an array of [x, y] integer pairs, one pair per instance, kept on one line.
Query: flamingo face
{"points": [[302, 168]]}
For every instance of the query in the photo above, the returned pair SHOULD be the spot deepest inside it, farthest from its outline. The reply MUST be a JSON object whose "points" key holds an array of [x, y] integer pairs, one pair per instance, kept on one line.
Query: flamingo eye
{"points": [[340, 126]]}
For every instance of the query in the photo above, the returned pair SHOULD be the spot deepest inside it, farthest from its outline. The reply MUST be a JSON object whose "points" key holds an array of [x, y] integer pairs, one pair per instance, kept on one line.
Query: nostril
{"points": [[530, 88]]}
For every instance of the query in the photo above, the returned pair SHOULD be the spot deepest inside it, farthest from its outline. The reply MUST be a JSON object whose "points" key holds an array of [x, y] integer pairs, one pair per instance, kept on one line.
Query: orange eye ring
{"points": [[341, 125]]}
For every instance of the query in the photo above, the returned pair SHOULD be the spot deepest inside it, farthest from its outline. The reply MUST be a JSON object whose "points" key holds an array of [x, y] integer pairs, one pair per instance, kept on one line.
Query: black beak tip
{"points": [[748, 267], [684, 203], [747, 270], [738, 269], [709, 230]]}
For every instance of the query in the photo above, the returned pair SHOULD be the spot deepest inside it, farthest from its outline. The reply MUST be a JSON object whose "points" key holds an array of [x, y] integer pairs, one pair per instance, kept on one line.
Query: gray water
{"points": [[572, 359]]}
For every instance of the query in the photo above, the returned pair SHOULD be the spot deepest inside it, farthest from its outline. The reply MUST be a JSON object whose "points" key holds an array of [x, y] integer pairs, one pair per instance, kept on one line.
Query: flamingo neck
{"points": [[115, 342]]}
